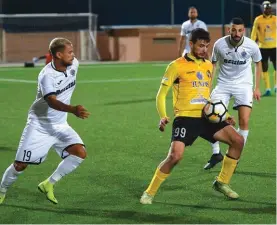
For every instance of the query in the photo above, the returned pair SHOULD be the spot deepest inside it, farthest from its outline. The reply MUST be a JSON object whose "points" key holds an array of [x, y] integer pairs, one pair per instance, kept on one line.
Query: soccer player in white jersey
{"points": [[186, 29], [47, 122], [234, 54]]}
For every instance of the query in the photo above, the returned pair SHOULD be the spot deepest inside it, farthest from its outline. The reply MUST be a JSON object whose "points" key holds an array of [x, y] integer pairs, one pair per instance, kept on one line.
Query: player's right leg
{"points": [[33, 147], [184, 132], [221, 93], [273, 60], [71, 149]]}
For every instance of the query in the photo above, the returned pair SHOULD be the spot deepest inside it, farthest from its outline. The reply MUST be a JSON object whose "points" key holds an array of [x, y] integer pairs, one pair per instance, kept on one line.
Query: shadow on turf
{"points": [[258, 174], [260, 210], [121, 215], [130, 101], [5, 148]]}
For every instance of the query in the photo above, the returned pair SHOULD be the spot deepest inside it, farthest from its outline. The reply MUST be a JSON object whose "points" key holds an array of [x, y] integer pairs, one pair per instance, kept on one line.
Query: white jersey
{"points": [[52, 81], [235, 62], [187, 28]]}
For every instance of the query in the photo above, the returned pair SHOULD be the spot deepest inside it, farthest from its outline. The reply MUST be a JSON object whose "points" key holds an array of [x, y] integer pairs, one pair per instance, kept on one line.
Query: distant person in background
{"points": [[47, 57], [186, 29], [264, 32]]}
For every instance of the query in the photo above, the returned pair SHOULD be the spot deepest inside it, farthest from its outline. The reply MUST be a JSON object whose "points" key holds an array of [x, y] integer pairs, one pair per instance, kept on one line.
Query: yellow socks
{"points": [[266, 80], [227, 170], [156, 182]]}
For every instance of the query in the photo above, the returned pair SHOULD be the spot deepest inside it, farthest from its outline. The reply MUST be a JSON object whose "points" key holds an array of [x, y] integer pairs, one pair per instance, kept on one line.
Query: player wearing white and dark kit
{"points": [[186, 29], [234, 54], [47, 122]]}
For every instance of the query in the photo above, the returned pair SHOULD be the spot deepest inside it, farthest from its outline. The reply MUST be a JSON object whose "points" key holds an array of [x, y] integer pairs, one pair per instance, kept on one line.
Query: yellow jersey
{"points": [[264, 31], [190, 80]]}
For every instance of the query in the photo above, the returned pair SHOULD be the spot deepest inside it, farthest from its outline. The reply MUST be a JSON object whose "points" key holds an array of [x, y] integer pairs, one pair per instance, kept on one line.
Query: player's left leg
{"points": [[227, 134], [273, 60], [221, 93], [71, 148]]}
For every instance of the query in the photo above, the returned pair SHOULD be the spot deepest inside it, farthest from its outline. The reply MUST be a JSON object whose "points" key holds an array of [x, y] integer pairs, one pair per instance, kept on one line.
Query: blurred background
{"points": [[121, 30]]}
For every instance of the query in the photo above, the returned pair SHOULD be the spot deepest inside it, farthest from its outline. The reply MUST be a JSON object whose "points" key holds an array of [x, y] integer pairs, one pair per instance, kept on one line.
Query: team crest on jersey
{"points": [[199, 75], [243, 54], [209, 73], [72, 72]]}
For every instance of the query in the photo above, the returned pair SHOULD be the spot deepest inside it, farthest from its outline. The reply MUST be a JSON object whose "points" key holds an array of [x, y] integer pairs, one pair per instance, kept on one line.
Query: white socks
{"points": [[9, 177], [215, 148], [66, 166], [243, 133]]}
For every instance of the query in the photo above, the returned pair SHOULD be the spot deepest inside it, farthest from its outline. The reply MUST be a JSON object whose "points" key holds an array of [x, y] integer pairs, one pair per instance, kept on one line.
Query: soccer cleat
{"points": [[267, 93], [47, 188], [2, 197], [225, 189], [215, 159], [146, 199]]}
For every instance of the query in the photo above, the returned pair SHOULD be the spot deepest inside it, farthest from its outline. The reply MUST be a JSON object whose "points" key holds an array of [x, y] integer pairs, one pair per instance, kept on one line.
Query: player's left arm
{"points": [[257, 57]]}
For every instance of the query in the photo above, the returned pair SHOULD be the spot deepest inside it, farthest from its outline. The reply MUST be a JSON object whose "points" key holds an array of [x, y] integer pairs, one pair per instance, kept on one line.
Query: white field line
{"points": [[96, 66], [84, 81]]}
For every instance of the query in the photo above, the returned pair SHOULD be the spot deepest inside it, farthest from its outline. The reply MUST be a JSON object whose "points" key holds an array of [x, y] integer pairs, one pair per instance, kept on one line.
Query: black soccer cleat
{"points": [[215, 159]]}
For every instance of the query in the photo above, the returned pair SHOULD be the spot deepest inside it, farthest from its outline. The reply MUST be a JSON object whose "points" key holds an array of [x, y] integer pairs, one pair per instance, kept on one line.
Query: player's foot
{"points": [[215, 159], [267, 93], [146, 199], [48, 189], [3, 192], [225, 189]]}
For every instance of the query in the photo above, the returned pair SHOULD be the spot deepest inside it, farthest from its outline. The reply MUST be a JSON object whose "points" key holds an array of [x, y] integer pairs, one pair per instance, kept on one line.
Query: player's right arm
{"points": [[167, 81], [214, 59], [254, 32], [182, 42], [47, 85]]}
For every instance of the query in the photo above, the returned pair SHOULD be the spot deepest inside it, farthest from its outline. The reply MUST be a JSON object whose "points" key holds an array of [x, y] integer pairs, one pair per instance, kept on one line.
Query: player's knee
{"points": [[238, 142], [264, 66], [20, 166], [81, 152], [174, 157]]}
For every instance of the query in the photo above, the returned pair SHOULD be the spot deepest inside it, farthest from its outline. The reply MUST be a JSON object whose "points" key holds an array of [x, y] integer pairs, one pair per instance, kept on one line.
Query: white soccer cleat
{"points": [[146, 199]]}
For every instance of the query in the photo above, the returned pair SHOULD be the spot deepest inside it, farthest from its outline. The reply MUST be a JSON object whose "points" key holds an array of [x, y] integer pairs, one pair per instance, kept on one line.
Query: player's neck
{"points": [[267, 16], [58, 66], [193, 20], [235, 44], [197, 60]]}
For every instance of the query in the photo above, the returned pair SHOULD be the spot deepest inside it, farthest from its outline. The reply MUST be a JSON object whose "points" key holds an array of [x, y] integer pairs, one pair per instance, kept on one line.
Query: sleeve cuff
{"points": [[51, 93]]}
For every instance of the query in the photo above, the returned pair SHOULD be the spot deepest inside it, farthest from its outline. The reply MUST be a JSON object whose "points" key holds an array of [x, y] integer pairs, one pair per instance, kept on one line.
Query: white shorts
{"points": [[36, 142], [243, 95]]}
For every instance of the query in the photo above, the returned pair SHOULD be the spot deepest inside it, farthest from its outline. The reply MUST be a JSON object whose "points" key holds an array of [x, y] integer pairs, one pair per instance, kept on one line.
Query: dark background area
{"points": [[141, 12]]}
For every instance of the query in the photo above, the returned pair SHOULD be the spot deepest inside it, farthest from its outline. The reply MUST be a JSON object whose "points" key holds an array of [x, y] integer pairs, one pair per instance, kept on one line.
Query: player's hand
{"points": [[257, 94], [81, 112], [163, 123], [231, 120]]}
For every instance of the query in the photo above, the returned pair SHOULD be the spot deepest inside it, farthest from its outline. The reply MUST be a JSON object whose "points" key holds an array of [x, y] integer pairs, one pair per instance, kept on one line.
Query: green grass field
{"points": [[124, 147]]}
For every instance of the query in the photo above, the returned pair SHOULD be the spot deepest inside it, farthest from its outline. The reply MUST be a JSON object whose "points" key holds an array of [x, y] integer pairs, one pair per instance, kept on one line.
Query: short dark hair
{"points": [[237, 21], [192, 7], [199, 34]]}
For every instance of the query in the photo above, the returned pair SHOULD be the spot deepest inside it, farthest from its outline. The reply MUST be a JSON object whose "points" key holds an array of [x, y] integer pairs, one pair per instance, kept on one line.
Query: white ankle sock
{"points": [[66, 166], [216, 148], [9, 177], [244, 133]]}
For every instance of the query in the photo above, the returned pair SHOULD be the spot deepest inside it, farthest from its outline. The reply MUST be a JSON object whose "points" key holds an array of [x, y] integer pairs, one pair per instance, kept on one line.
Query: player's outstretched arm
{"points": [[78, 110]]}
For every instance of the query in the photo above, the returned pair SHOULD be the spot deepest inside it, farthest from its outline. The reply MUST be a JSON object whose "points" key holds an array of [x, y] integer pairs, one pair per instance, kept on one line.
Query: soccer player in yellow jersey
{"points": [[190, 79], [264, 32]]}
